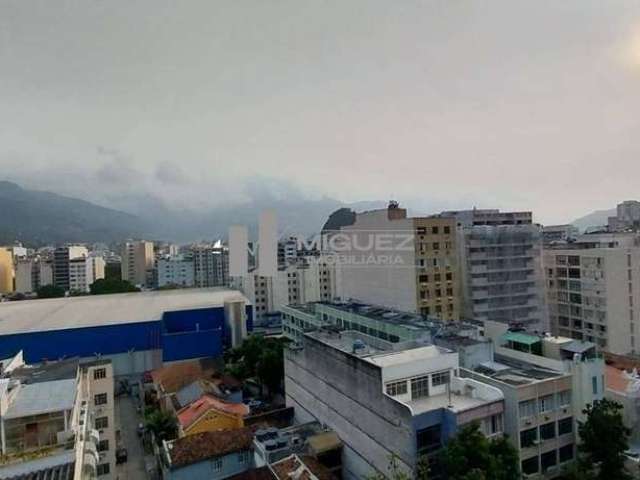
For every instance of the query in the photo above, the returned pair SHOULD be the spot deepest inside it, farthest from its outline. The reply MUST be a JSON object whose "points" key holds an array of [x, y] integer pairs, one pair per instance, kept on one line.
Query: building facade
{"points": [[593, 290], [383, 401], [6, 271], [175, 272], [62, 257], [500, 255], [137, 262], [211, 265]]}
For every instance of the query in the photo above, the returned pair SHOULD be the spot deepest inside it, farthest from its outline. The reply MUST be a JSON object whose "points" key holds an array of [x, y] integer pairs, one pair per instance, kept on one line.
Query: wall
{"points": [[214, 420]]}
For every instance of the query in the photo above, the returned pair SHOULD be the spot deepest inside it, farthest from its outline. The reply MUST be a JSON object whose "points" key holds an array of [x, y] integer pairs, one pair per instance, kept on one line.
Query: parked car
{"points": [[121, 455]]}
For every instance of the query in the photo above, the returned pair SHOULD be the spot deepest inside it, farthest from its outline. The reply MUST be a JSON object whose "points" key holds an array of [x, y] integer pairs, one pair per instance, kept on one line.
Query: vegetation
{"points": [[604, 439], [50, 291], [258, 357], [112, 271], [395, 472], [105, 286], [471, 456], [162, 424]]}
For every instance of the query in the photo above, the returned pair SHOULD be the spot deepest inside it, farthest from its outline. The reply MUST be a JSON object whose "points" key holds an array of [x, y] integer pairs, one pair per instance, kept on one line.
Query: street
{"points": [[127, 420]]}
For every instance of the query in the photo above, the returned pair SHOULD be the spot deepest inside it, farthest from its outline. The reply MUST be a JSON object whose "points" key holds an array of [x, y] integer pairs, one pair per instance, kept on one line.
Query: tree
{"points": [[395, 472], [604, 439], [162, 424], [112, 270], [471, 456], [260, 358], [50, 291], [112, 285]]}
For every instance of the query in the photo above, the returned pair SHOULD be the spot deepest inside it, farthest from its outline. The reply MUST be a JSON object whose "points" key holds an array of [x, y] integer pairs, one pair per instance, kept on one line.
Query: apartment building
{"points": [[57, 420], [137, 262], [175, 272], [627, 217], [559, 234], [409, 264], [33, 273], [309, 279], [593, 290], [384, 399], [211, 265], [6, 270], [500, 256], [62, 258]]}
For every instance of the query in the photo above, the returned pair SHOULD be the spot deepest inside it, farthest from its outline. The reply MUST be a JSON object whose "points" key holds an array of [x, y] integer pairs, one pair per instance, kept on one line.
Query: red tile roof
{"points": [[262, 473], [175, 376], [615, 379], [189, 414], [201, 446]]}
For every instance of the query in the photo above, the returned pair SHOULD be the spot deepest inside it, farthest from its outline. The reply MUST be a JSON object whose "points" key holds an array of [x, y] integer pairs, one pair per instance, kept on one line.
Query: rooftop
{"points": [[46, 371], [190, 414], [43, 397], [202, 446], [516, 373], [175, 376], [97, 310], [53, 467], [301, 468]]}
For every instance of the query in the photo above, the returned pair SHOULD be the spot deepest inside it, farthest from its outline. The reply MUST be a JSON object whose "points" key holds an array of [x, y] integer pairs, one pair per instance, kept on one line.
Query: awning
{"points": [[519, 337]]}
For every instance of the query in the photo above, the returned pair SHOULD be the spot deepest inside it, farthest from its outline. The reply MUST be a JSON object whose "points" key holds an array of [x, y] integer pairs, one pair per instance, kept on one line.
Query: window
{"points": [[594, 385], [528, 437], [527, 408], [564, 398], [103, 469], [102, 422], [548, 431], [566, 453], [436, 246], [243, 457], [447, 230], [397, 388], [420, 387], [530, 466], [428, 439], [546, 403], [565, 426], [216, 464], [103, 445], [440, 378], [100, 399], [434, 230], [548, 460], [99, 373]]}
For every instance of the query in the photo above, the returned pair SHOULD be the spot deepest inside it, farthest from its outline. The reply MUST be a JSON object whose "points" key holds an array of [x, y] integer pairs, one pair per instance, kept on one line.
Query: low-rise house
{"points": [[209, 413], [208, 455], [298, 467], [623, 387]]}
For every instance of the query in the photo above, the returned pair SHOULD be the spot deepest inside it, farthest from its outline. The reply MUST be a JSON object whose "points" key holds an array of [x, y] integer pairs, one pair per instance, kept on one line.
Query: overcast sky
{"points": [[441, 104]]}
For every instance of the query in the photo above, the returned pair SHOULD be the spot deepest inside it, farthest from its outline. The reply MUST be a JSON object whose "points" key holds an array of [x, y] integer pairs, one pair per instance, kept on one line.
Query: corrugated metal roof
{"points": [[44, 397]]}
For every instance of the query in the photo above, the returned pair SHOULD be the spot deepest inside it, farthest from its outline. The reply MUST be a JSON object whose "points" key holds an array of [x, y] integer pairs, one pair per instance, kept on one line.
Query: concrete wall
{"points": [[346, 394]]}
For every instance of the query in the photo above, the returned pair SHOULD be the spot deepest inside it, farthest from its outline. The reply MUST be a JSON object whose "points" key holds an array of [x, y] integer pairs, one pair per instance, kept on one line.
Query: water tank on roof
{"points": [[270, 445]]}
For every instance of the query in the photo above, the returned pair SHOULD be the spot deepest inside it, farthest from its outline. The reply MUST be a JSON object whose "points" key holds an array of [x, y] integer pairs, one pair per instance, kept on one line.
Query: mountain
{"points": [[593, 219], [35, 218]]}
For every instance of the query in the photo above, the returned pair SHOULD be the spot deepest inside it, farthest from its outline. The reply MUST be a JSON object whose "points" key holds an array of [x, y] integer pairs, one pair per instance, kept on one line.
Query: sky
{"points": [[440, 104]]}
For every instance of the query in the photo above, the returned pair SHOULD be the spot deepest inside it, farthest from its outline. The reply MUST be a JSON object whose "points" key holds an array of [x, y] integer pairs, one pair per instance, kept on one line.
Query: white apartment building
{"points": [[176, 272], [309, 279], [501, 265], [33, 273], [62, 257], [137, 262], [593, 290]]}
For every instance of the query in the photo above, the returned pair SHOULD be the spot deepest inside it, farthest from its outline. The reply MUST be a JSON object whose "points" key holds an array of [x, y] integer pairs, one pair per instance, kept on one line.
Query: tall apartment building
{"points": [[501, 263], [385, 400], [62, 256], [6, 270], [409, 264], [211, 265], [593, 290], [176, 272], [627, 217], [309, 279], [137, 262], [33, 273]]}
